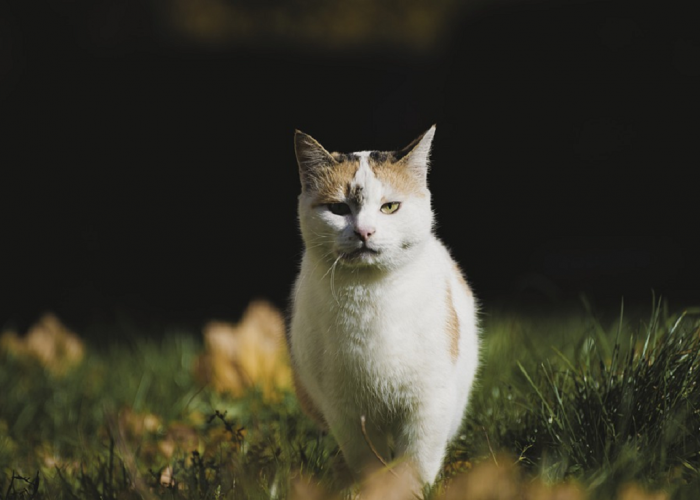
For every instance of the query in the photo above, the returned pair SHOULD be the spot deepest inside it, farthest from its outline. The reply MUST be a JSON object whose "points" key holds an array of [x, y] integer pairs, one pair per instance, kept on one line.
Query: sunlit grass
{"points": [[568, 406]]}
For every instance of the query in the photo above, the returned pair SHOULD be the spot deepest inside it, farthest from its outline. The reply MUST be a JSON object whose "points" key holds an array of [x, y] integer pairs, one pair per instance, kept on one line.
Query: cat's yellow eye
{"points": [[391, 207]]}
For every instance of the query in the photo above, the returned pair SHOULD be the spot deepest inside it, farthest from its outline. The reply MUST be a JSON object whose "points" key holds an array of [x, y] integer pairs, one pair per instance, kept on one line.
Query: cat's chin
{"points": [[361, 257]]}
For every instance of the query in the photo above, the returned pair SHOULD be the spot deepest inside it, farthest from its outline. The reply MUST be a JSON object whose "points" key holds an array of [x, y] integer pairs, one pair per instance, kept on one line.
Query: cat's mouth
{"points": [[360, 254]]}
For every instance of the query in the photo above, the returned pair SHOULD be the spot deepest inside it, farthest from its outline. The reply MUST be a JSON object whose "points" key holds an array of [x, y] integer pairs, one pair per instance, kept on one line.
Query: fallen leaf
{"points": [[49, 342], [249, 353]]}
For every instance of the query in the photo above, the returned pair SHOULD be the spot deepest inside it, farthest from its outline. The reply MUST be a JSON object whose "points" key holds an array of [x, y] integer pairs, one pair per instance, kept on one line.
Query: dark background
{"points": [[148, 174]]}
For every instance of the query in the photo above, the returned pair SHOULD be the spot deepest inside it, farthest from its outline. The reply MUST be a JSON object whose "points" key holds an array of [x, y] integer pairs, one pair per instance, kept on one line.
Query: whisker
{"points": [[333, 294], [332, 265]]}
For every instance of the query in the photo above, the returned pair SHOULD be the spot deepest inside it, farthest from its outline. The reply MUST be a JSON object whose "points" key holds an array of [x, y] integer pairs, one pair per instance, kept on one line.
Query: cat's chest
{"points": [[378, 330], [374, 345], [362, 310]]}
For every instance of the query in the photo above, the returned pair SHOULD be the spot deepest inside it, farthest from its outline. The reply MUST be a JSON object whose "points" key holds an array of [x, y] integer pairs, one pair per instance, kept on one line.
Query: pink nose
{"points": [[364, 233]]}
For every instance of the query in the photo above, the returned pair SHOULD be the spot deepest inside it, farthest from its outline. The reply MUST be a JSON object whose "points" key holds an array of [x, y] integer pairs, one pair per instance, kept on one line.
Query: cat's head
{"points": [[365, 209]]}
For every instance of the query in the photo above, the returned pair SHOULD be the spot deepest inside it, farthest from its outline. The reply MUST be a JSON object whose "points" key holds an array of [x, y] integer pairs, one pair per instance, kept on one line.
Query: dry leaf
{"points": [[634, 492], [487, 481], [48, 341], [179, 438], [398, 482], [249, 353], [302, 487], [564, 491], [135, 425]]}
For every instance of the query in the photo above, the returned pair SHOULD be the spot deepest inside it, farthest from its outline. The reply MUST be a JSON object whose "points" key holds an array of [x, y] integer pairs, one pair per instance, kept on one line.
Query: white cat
{"points": [[384, 330]]}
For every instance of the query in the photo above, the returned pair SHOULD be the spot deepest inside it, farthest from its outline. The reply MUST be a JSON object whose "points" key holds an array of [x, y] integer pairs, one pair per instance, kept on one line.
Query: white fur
{"points": [[420, 156], [369, 338]]}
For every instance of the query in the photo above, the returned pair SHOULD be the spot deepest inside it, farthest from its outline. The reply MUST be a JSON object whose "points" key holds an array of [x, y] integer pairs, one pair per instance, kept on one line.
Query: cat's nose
{"points": [[364, 233]]}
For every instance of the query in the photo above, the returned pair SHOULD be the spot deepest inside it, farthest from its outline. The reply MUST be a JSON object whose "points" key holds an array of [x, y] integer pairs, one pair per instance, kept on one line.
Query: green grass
{"points": [[565, 398]]}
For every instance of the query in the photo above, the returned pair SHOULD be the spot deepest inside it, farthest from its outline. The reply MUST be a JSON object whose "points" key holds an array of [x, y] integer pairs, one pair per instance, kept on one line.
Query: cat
{"points": [[383, 335]]}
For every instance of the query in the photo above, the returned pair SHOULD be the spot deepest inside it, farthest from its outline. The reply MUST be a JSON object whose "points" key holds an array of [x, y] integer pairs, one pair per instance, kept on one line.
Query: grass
{"points": [[568, 406]]}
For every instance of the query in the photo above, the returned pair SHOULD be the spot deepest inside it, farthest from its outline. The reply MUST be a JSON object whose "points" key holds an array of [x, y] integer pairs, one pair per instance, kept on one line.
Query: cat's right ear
{"points": [[417, 154], [312, 158]]}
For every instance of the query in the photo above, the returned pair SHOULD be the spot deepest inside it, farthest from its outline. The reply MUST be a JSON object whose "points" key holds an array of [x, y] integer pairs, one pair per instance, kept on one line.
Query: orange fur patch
{"points": [[332, 180], [452, 325], [400, 176]]}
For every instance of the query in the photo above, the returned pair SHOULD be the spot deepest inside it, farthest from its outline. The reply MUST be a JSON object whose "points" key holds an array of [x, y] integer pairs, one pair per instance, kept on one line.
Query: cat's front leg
{"points": [[364, 445], [367, 453], [423, 440]]}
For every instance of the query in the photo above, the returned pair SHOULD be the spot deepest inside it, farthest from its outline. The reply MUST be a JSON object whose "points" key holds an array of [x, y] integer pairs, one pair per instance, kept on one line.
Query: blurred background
{"points": [[147, 171]]}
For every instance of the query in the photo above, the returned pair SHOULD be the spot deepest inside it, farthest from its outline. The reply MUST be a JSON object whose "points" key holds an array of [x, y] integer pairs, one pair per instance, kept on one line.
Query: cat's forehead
{"points": [[355, 172], [375, 158]]}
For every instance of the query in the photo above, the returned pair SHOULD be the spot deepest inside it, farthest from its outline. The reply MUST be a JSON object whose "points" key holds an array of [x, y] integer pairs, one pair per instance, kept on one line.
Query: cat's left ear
{"points": [[416, 155], [312, 158]]}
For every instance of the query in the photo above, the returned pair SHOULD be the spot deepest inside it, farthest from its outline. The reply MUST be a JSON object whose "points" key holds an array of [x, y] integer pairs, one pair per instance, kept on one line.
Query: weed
{"points": [[564, 406]]}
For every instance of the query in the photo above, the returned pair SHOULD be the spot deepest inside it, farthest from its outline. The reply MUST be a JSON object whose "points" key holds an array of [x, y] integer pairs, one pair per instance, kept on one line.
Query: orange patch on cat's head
{"points": [[407, 169], [332, 182], [328, 176], [323, 175], [396, 174]]}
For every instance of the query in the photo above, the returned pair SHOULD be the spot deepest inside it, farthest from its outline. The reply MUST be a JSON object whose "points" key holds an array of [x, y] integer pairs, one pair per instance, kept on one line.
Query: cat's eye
{"points": [[391, 207], [339, 208]]}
